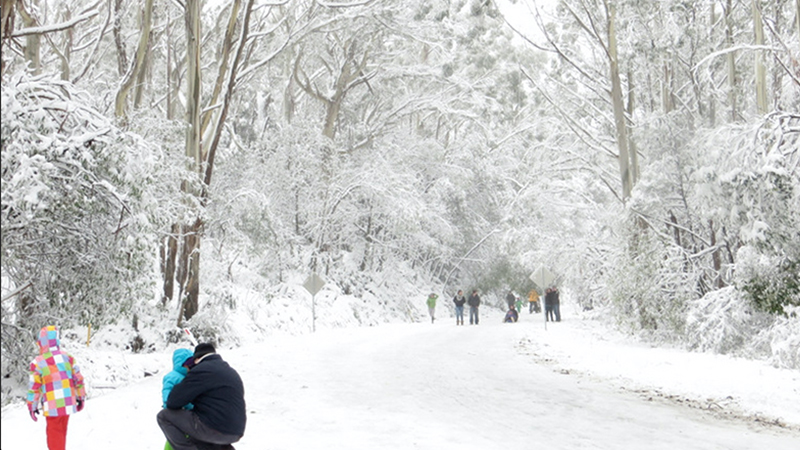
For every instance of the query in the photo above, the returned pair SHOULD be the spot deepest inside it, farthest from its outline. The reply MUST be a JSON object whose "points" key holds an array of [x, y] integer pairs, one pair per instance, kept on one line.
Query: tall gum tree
{"points": [[201, 147], [596, 70]]}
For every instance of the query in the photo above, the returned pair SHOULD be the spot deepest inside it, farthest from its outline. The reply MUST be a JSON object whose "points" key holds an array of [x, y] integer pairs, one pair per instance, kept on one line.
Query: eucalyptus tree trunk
{"points": [[7, 11], [625, 170], [168, 253], [65, 54], [779, 71], [666, 88], [731, 59], [122, 55], [200, 158], [134, 72], [631, 141], [190, 254], [761, 71], [173, 71], [712, 100], [350, 74], [229, 74], [797, 16], [227, 44], [170, 243], [6, 21], [138, 91], [32, 41]]}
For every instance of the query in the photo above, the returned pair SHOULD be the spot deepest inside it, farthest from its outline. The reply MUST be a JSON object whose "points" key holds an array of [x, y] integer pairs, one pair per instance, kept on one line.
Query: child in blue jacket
{"points": [[173, 377]]}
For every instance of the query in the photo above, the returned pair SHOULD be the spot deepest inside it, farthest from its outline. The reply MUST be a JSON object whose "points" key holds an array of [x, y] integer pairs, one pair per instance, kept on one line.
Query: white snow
{"points": [[437, 386]]}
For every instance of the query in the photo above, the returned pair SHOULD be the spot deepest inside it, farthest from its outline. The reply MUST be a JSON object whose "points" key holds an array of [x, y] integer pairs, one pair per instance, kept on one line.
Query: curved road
{"points": [[424, 386]]}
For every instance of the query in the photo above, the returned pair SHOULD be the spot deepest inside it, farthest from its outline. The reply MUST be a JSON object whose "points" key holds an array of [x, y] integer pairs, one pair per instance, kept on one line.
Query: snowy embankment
{"points": [[401, 386], [721, 384]]}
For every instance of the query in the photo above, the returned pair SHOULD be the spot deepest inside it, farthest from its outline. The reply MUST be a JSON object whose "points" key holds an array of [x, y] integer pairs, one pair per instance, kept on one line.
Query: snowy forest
{"points": [[170, 163]]}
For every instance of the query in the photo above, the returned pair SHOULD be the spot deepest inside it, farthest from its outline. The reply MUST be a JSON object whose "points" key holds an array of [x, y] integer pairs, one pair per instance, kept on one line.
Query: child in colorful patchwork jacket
{"points": [[173, 377], [56, 384]]}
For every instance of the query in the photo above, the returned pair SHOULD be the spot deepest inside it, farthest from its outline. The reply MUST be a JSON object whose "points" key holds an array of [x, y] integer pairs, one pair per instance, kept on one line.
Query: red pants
{"points": [[57, 432]]}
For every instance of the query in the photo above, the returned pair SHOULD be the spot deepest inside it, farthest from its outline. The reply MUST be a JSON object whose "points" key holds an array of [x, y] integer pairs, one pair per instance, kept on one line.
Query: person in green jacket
{"points": [[432, 305]]}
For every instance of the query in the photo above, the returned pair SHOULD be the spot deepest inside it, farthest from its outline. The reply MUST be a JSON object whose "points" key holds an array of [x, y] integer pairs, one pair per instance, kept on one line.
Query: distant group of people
{"points": [[514, 303], [473, 301], [552, 305]]}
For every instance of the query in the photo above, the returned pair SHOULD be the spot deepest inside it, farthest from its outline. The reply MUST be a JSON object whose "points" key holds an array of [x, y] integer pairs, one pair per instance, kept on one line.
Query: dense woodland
{"points": [[647, 152]]}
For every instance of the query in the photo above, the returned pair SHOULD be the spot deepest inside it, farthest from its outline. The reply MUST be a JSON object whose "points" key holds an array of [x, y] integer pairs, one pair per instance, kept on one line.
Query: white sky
{"points": [[520, 15], [424, 386]]}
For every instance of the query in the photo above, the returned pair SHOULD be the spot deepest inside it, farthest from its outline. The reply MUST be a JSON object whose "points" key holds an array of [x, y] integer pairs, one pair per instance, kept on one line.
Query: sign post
{"points": [[190, 336], [543, 277], [313, 284]]}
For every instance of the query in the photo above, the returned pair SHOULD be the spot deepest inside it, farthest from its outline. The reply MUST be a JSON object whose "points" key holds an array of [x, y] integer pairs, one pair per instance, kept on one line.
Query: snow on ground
{"points": [[574, 385]]}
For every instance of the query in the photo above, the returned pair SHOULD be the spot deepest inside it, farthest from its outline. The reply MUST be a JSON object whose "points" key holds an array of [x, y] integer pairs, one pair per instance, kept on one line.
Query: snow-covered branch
{"points": [[55, 27]]}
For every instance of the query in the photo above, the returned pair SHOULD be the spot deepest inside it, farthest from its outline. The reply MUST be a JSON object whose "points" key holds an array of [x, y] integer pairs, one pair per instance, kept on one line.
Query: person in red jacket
{"points": [[56, 386]]}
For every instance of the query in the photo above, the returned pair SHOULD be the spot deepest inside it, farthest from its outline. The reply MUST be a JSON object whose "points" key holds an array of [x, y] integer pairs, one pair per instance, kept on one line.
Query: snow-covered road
{"points": [[423, 386], [470, 387]]}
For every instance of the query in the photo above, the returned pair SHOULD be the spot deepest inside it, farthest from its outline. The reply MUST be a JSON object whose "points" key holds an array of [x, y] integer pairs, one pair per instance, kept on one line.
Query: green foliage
{"points": [[503, 274], [773, 291], [651, 284]]}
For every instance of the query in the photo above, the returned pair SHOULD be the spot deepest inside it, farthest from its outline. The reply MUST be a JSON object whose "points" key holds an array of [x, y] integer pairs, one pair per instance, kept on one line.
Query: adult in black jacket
{"points": [[511, 299], [459, 300], [550, 299], [556, 304], [474, 302], [217, 393]]}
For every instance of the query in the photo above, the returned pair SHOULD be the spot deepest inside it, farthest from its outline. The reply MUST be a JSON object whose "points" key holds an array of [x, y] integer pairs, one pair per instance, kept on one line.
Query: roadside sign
{"points": [[542, 277], [313, 284]]}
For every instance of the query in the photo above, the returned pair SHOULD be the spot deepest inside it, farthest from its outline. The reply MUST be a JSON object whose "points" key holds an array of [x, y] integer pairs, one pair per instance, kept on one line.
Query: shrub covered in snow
{"points": [[725, 321], [74, 245]]}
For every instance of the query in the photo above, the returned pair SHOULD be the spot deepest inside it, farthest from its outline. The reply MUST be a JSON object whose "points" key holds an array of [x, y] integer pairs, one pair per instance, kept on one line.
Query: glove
{"points": [[34, 412], [79, 403]]}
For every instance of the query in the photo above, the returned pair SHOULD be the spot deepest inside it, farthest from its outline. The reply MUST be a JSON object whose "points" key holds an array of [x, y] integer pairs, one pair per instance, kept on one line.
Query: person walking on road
{"points": [[474, 302], [459, 300], [56, 386], [533, 302], [432, 305]]}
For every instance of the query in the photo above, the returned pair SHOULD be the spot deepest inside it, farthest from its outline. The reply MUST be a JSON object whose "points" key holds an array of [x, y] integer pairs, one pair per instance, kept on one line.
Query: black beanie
{"points": [[203, 349]]}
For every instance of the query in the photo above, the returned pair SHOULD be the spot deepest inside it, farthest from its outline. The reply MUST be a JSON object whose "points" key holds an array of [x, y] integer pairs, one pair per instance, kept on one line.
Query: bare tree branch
{"points": [[55, 27]]}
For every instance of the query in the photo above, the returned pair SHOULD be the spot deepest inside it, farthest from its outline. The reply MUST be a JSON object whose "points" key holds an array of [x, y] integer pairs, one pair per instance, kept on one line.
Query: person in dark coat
{"points": [[459, 301], [215, 389], [556, 305], [549, 312], [510, 299], [474, 302]]}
